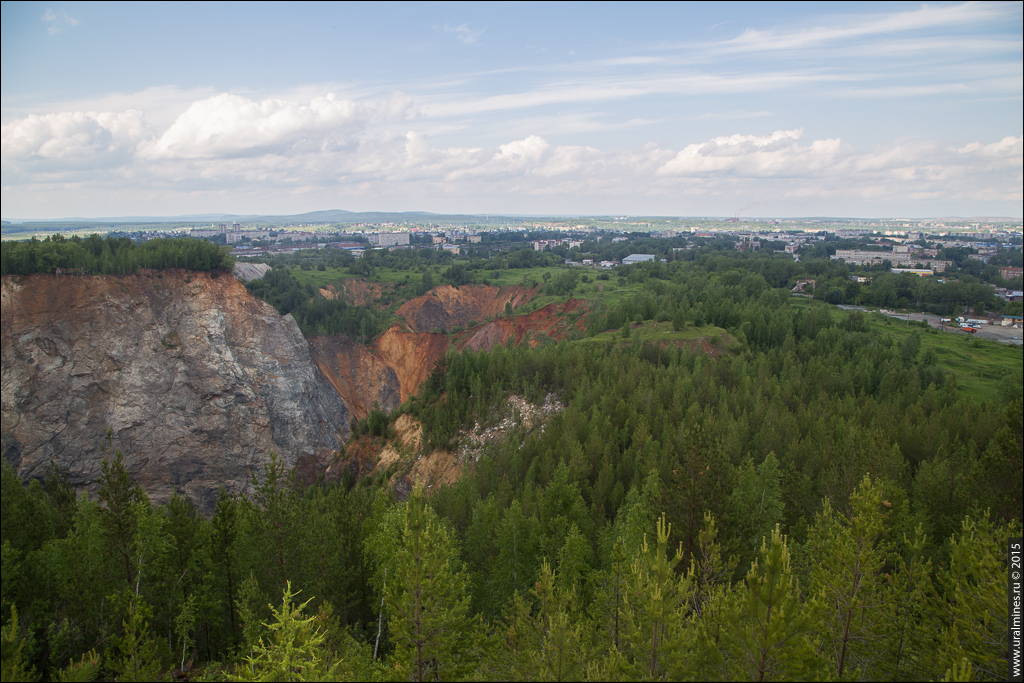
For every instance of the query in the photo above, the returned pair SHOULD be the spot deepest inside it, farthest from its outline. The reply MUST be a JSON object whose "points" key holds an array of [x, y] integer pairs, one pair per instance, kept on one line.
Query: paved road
{"points": [[1007, 335]]}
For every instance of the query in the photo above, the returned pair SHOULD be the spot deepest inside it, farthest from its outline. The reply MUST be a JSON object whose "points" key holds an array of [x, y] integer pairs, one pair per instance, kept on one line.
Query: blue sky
{"points": [[751, 109]]}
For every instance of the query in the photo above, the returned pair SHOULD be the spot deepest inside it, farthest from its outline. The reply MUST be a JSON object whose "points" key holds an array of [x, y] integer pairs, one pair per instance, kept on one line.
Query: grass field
{"points": [[982, 368], [663, 332], [320, 278]]}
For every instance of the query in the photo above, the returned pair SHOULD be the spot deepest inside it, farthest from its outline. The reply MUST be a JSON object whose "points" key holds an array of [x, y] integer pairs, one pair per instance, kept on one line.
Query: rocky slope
{"points": [[391, 369], [187, 374], [554, 321], [445, 308], [247, 272], [384, 373]]}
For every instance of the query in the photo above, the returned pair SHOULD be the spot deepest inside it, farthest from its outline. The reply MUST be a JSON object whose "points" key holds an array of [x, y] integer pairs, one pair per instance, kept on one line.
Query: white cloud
{"points": [[232, 125], [927, 16], [519, 153], [1008, 149], [605, 89], [56, 23], [72, 138], [319, 145], [985, 85], [569, 159], [465, 33], [778, 153]]}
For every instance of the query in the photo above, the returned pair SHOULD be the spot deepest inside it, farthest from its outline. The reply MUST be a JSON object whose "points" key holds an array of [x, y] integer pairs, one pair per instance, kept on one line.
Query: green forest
{"points": [[97, 255], [822, 498], [314, 314]]}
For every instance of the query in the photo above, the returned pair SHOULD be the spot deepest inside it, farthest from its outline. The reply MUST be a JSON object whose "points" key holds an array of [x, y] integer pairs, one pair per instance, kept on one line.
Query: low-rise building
{"points": [[1010, 272], [921, 272], [637, 258]]}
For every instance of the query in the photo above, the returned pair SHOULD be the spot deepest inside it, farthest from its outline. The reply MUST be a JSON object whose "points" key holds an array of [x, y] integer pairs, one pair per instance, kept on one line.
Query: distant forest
{"points": [[96, 255]]}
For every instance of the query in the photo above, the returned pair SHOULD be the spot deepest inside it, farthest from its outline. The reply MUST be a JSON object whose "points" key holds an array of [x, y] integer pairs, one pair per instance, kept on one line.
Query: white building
{"points": [[388, 239], [637, 258]]}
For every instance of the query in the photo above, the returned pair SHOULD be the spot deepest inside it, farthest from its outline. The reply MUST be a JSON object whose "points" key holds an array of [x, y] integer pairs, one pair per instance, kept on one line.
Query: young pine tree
{"points": [[768, 632], [654, 605], [546, 635], [909, 624], [426, 595], [974, 588], [846, 558]]}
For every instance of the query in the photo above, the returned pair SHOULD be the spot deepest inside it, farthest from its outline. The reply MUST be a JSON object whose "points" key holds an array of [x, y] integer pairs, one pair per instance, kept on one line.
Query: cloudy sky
{"points": [[691, 109]]}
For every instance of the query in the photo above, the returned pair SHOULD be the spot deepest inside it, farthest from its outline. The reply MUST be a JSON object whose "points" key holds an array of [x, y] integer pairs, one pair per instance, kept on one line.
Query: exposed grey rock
{"points": [[194, 380], [247, 272]]}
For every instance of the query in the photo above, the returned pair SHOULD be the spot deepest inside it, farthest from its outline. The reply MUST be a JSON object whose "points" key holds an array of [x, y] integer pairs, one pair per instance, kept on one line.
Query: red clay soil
{"points": [[412, 355], [392, 368], [550, 321], [446, 308], [384, 373]]}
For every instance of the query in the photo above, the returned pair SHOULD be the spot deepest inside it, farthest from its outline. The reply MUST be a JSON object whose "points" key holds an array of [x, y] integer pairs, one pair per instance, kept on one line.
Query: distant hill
{"points": [[343, 217], [339, 216]]}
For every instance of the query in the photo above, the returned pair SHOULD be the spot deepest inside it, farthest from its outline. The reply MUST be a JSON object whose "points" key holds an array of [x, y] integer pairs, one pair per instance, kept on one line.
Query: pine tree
{"points": [[655, 600], [15, 656], [119, 495], [846, 560], [623, 543], [223, 531], [86, 669], [974, 587], [710, 577], [908, 624], [755, 505], [545, 637], [769, 633], [426, 597], [135, 654]]}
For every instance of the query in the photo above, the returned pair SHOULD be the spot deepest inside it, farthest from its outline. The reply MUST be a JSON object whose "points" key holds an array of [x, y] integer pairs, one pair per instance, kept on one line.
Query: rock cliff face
{"points": [[392, 368], [247, 272], [187, 374], [384, 373]]}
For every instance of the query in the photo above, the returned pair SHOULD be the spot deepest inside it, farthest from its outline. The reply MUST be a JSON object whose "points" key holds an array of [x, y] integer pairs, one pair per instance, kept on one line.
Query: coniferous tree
{"points": [[755, 505], [655, 599], [16, 666], [426, 595], [975, 593], [769, 633], [546, 634], [909, 623], [291, 649], [846, 560], [135, 654]]}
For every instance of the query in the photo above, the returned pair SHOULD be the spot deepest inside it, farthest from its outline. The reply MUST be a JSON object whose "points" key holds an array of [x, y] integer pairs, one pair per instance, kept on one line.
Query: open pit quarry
{"points": [[196, 382]]}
